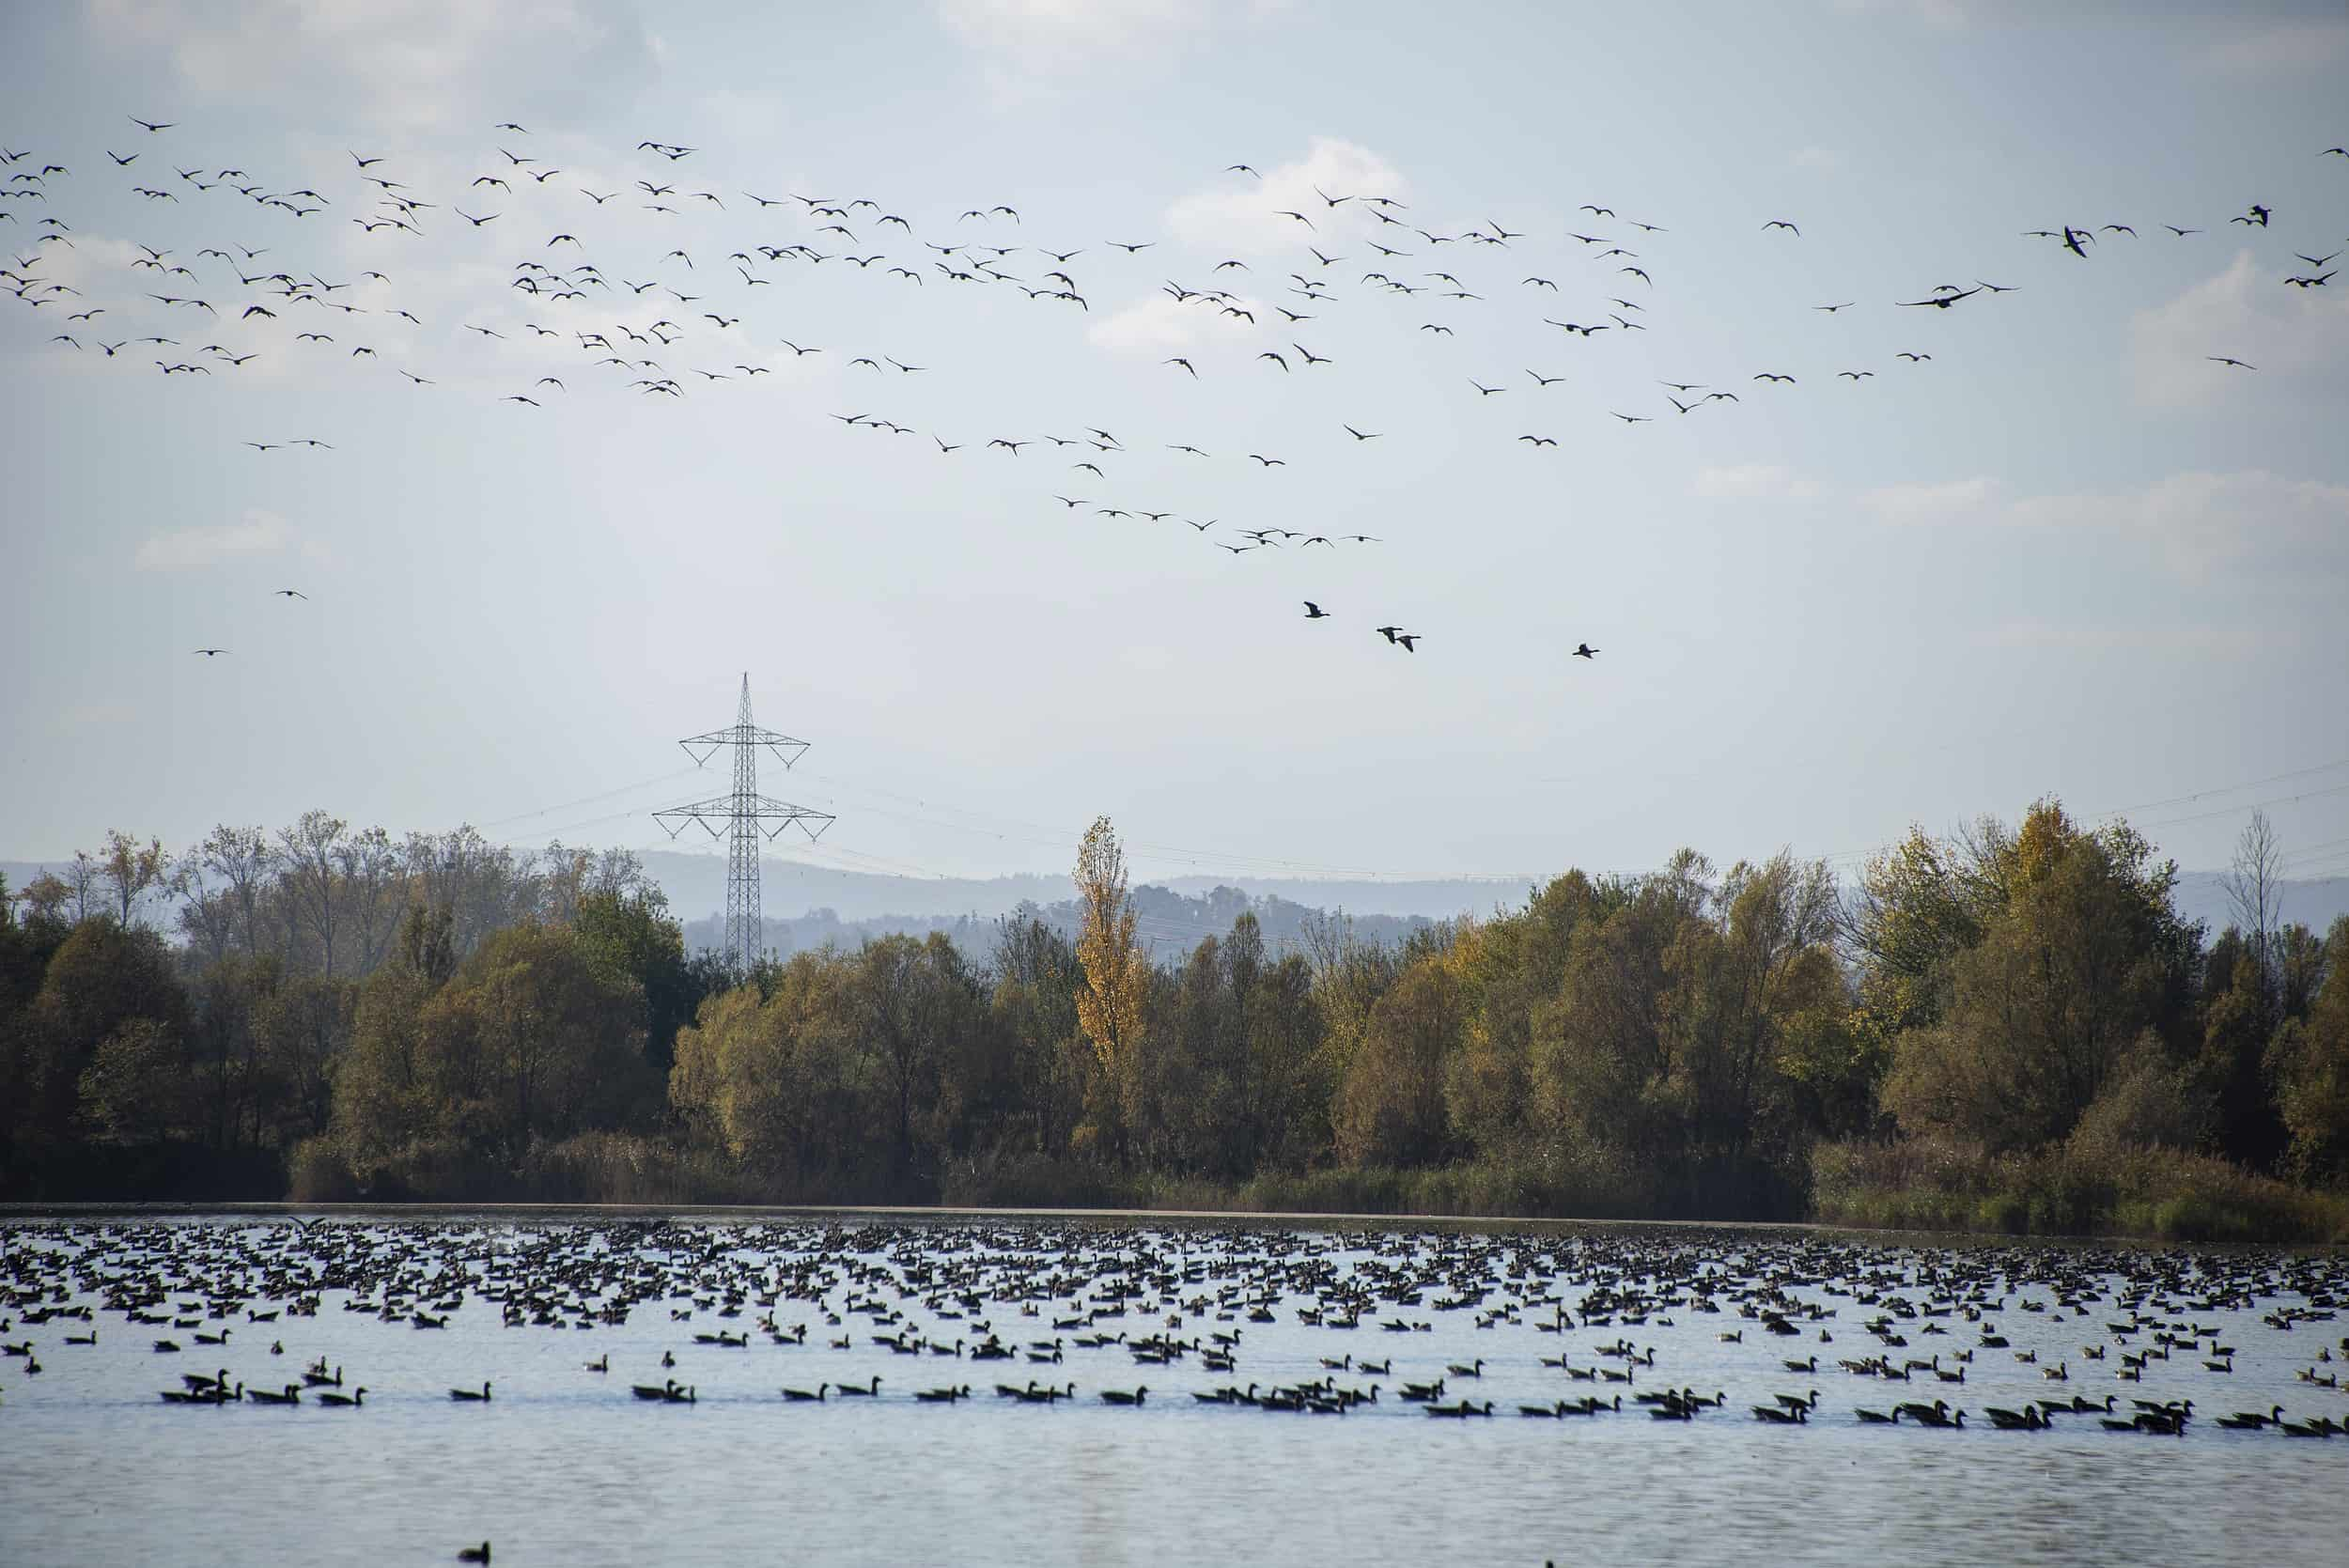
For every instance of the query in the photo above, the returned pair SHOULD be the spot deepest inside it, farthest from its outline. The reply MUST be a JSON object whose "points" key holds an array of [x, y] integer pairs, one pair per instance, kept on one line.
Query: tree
{"points": [[2309, 1061], [1037, 978], [1391, 1108], [130, 868], [632, 937], [136, 1088], [101, 978], [310, 849], [224, 881], [2083, 958], [911, 1002], [2255, 892], [1109, 1005]]}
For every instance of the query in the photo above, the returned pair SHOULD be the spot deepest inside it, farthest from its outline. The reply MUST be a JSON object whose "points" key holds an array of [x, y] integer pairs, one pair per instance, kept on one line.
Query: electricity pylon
{"points": [[746, 813]]}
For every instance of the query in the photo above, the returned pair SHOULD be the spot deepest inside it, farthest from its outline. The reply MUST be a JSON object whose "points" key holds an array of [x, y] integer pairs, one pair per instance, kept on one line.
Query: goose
{"points": [[851, 1390], [90, 1338], [290, 1395], [2025, 1420], [468, 1394], [1549, 1412], [648, 1390], [1879, 1418], [803, 1396], [678, 1396], [1808, 1364], [601, 1364], [2251, 1420], [221, 1338], [943, 1396], [475, 1554], [352, 1400], [1118, 1396], [1475, 1368]]}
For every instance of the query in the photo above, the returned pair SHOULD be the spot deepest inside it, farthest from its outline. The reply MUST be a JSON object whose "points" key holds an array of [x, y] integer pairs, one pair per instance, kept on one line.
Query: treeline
{"points": [[2009, 1027]]}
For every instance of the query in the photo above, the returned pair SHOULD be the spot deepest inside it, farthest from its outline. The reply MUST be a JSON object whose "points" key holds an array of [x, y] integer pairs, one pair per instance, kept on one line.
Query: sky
{"points": [[2067, 554]]}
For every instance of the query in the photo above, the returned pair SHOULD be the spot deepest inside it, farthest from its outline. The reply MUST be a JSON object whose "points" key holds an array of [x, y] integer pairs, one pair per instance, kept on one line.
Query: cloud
{"points": [[1028, 43], [1244, 213], [1935, 502], [1751, 482], [1160, 323], [2245, 313], [411, 65], [2198, 525], [2251, 523], [2310, 43], [257, 533]]}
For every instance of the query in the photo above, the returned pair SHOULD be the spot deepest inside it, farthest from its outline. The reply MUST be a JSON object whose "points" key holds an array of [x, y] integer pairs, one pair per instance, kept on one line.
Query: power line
{"points": [[2229, 790], [2251, 805]]}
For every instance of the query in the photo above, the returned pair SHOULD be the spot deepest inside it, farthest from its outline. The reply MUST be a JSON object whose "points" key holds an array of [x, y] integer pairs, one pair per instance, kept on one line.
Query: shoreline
{"points": [[11, 1213]]}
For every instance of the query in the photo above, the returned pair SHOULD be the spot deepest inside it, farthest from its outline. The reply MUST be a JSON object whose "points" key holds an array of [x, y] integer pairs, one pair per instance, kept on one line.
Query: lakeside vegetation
{"points": [[2010, 1028]]}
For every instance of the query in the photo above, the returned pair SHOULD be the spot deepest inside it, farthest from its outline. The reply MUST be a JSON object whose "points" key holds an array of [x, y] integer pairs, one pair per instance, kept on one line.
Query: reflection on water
{"points": [[563, 1466]]}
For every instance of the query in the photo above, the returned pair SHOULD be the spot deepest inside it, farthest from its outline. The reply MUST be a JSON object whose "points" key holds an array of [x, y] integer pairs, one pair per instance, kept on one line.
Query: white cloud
{"points": [[1242, 212], [1058, 34], [1026, 44], [2197, 525], [257, 533], [407, 64], [1935, 502], [2247, 313], [1751, 482], [2304, 44], [2251, 523], [1160, 323]]}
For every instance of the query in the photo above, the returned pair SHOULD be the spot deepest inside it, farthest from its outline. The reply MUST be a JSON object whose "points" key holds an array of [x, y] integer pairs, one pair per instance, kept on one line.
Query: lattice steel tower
{"points": [[746, 813]]}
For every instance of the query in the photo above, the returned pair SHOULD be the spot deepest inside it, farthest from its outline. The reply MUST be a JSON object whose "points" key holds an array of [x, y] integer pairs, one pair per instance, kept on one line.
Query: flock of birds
{"points": [[1582, 1325], [645, 319]]}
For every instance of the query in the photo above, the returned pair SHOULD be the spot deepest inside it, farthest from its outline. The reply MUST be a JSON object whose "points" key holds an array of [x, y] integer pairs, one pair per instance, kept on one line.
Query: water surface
{"points": [[563, 1466]]}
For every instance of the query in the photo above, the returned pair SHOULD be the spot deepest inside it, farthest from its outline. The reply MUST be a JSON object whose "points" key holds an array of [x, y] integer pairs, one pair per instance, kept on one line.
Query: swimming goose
{"points": [[1118, 1396], [802, 1395], [850, 1389], [469, 1395], [2251, 1420], [475, 1554], [352, 1400]]}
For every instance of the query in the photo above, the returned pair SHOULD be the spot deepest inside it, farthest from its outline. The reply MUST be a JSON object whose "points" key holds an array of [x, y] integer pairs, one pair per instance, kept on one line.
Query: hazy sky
{"points": [[2067, 554]]}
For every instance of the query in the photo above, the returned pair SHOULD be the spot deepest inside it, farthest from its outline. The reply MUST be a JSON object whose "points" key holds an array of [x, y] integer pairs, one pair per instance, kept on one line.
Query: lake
{"points": [[564, 1465]]}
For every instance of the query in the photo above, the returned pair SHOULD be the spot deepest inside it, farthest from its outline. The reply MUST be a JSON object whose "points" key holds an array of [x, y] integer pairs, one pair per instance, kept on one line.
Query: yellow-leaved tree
{"points": [[1109, 1003]]}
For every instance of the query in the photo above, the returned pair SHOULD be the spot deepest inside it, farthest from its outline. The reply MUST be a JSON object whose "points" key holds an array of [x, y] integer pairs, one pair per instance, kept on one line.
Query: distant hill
{"points": [[698, 882], [808, 905], [2315, 903]]}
